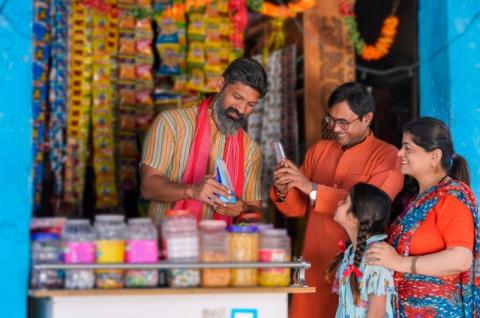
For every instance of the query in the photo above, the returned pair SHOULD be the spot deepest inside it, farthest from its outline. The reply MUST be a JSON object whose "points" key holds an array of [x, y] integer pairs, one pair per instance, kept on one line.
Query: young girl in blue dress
{"points": [[364, 290]]}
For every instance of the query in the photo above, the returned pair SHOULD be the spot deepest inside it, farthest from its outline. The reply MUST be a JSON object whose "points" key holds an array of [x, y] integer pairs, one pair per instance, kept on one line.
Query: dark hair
{"points": [[371, 207], [248, 72], [357, 96], [430, 134]]}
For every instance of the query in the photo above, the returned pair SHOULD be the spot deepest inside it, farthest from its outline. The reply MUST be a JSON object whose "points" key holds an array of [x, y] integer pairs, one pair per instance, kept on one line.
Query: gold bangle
{"points": [[413, 265]]}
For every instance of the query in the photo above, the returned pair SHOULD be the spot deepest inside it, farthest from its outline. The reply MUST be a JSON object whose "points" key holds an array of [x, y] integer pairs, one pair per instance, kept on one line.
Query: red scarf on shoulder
{"points": [[198, 158]]}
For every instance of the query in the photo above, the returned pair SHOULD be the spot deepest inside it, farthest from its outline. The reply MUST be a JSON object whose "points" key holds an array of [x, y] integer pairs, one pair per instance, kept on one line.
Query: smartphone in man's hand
{"points": [[279, 152]]}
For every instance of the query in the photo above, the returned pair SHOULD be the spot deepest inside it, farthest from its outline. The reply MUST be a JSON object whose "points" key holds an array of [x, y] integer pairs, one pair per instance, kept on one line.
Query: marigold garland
{"points": [[369, 52], [280, 11]]}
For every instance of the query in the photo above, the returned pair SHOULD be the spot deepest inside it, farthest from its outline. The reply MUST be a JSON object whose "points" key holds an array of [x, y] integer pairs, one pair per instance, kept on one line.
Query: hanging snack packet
{"points": [[212, 73], [126, 72], [144, 97], [197, 27], [127, 45], [127, 120], [143, 72], [169, 53], [127, 97], [196, 54], [196, 80], [167, 29]]}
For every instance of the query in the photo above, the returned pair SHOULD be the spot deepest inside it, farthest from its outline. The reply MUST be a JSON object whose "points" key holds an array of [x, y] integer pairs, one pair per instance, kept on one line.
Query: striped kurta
{"points": [[167, 147]]}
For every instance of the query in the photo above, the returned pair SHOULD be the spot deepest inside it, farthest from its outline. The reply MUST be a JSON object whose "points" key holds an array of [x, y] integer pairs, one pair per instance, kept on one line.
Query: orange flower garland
{"points": [[285, 11], [382, 46]]}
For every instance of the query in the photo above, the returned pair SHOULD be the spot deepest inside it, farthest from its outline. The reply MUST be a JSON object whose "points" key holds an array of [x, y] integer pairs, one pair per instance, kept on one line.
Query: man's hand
{"points": [[206, 190], [282, 189], [233, 209], [290, 176]]}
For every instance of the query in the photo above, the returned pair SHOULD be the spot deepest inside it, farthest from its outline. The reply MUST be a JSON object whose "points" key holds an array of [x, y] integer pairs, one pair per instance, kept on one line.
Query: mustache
{"points": [[230, 109]]}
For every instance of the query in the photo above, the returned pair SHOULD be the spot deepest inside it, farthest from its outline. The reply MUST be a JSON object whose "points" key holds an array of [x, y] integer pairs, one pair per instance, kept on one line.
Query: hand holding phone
{"points": [[223, 177]]}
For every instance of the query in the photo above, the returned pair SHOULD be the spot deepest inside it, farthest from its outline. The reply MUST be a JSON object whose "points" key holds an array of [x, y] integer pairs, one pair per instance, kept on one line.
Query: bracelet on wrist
{"points": [[280, 196], [413, 265]]}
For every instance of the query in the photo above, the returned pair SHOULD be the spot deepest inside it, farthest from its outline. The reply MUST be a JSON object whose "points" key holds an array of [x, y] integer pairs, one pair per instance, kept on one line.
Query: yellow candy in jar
{"points": [[243, 248]]}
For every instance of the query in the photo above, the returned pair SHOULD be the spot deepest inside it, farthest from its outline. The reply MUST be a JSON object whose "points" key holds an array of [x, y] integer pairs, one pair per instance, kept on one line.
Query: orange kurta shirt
{"points": [[449, 224], [335, 171]]}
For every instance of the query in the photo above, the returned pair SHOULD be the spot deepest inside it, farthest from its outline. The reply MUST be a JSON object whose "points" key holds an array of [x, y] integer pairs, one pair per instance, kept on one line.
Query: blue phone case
{"points": [[224, 178]]}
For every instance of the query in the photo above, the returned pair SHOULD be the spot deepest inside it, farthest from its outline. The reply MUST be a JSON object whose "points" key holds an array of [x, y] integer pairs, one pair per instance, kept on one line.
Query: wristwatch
{"points": [[313, 194]]}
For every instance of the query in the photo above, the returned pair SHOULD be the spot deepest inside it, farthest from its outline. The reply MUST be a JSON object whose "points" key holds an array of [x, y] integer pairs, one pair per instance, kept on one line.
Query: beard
{"points": [[227, 124]]}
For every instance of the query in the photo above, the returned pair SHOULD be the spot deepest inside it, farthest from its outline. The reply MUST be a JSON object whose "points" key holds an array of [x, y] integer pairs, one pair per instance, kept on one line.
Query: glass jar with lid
{"points": [[142, 247], [110, 230], [180, 244], [243, 248], [79, 248], [46, 248], [214, 247], [274, 247]]}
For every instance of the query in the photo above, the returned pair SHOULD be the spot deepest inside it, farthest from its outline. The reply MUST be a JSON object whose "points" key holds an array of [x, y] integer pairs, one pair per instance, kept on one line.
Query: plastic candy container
{"points": [[180, 244], [110, 231], [46, 248], [214, 247], [79, 248], [243, 248], [274, 247], [142, 247]]}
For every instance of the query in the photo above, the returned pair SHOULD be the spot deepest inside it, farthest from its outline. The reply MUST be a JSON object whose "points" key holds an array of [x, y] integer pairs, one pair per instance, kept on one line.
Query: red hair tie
{"points": [[341, 246], [352, 269]]}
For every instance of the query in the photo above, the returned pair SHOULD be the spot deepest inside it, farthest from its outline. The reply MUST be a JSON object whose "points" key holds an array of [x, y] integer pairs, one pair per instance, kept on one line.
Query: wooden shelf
{"points": [[168, 291]]}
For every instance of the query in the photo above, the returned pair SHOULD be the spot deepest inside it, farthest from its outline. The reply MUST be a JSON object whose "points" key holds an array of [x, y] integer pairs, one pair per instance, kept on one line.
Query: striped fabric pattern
{"points": [[167, 147]]}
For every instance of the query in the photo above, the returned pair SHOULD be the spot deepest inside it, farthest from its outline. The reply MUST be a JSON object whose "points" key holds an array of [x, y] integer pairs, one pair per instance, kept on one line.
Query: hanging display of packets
{"points": [[104, 40], [127, 49], [167, 42], [195, 55], [79, 103], [41, 44], [239, 20], [143, 66], [58, 92], [217, 45]]}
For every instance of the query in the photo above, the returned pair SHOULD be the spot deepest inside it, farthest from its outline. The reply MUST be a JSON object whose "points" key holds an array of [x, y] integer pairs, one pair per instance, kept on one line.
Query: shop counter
{"points": [[208, 302], [231, 302]]}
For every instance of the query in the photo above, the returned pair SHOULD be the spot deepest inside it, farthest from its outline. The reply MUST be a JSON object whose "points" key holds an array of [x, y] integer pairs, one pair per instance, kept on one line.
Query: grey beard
{"points": [[225, 124]]}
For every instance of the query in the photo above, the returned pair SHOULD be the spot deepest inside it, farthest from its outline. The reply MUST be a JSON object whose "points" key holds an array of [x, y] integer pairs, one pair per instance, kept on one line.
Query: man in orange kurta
{"points": [[330, 169]]}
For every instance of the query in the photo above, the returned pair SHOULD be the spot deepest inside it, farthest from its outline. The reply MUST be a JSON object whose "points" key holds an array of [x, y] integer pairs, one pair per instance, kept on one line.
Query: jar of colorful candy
{"points": [[79, 248], [180, 244], [142, 247], [274, 247], [46, 248], [111, 233], [214, 247], [243, 248]]}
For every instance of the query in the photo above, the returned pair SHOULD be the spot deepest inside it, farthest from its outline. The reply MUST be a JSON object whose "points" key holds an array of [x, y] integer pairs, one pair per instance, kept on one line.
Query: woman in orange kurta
{"points": [[432, 241], [330, 169]]}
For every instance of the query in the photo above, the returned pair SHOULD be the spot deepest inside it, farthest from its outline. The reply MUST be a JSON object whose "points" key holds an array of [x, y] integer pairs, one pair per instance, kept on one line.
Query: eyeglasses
{"points": [[342, 123]]}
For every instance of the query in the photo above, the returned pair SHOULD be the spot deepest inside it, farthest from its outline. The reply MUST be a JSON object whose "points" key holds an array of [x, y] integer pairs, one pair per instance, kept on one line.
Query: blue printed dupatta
{"points": [[429, 296]]}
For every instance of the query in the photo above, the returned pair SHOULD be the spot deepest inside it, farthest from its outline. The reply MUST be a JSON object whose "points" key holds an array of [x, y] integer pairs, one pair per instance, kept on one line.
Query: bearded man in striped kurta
{"points": [[182, 145]]}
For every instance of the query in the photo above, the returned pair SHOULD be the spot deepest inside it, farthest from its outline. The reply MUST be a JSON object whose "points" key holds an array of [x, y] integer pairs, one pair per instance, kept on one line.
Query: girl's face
{"points": [[343, 216]]}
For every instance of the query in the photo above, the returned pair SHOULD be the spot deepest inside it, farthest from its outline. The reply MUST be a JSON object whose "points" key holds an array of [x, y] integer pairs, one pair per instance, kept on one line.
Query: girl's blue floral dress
{"points": [[375, 280]]}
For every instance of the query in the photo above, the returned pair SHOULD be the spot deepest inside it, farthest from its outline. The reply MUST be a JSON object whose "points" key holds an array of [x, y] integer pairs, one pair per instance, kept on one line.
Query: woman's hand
{"points": [[385, 255]]}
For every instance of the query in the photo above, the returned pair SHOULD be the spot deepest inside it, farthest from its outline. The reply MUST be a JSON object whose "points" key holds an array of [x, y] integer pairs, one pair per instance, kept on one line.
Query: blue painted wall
{"points": [[15, 154], [450, 75]]}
